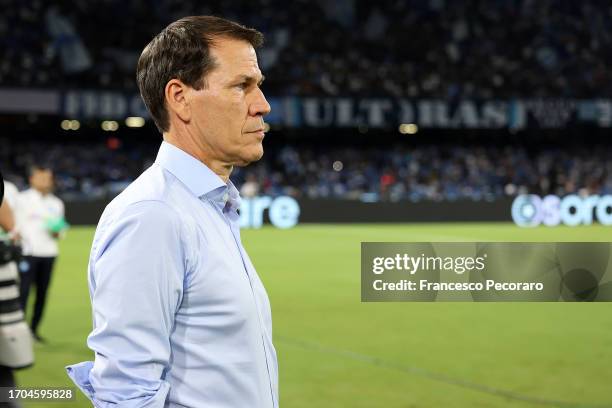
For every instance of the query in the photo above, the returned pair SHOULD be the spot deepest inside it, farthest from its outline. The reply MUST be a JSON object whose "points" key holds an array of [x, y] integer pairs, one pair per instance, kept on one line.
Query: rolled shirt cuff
{"points": [[79, 374]]}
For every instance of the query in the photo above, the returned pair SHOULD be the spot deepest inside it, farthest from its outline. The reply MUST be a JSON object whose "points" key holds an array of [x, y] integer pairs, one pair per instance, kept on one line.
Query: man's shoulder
{"points": [[144, 204], [8, 186], [25, 193], [151, 185], [11, 193], [26, 197], [153, 190], [56, 200]]}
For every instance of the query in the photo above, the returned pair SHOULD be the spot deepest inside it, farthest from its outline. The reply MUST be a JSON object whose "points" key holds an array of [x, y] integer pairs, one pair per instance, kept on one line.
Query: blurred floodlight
{"points": [[67, 124], [338, 165], [109, 125], [134, 121], [408, 128]]}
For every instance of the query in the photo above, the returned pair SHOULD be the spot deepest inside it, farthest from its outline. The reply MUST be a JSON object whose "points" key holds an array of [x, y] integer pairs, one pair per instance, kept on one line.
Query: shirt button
{"points": [[225, 197]]}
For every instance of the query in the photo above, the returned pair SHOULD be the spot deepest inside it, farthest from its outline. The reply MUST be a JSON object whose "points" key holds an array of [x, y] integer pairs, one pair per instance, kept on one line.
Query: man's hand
{"points": [[56, 227], [14, 236]]}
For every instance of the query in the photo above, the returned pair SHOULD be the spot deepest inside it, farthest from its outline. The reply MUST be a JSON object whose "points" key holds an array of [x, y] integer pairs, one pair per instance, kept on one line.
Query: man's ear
{"points": [[176, 101]]}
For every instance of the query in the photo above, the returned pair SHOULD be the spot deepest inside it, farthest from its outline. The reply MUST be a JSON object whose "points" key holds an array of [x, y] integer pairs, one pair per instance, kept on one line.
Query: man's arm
{"points": [[136, 281], [7, 221]]}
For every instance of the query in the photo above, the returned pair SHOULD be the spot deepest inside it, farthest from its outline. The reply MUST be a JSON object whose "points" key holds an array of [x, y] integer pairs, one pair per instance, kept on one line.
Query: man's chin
{"points": [[250, 158]]}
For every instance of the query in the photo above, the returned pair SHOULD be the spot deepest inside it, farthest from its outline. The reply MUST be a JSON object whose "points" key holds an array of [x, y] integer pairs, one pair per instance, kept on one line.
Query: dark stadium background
{"points": [[503, 97]]}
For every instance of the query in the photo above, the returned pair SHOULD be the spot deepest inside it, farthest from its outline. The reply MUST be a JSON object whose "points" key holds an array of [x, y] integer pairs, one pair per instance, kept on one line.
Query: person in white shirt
{"points": [[39, 221], [15, 340], [10, 199]]}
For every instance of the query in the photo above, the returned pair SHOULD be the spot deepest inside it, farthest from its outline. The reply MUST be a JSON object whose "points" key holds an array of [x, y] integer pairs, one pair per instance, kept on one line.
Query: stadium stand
{"points": [[435, 48]]}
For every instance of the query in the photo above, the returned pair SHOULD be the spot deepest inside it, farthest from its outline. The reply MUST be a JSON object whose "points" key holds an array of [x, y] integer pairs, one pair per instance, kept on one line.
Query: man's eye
{"points": [[242, 85]]}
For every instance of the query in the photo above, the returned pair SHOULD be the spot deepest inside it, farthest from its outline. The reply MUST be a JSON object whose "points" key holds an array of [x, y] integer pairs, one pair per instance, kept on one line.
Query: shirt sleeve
{"points": [[62, 212], [18, 201], [10, 195], [136, 273], [61, 207]]}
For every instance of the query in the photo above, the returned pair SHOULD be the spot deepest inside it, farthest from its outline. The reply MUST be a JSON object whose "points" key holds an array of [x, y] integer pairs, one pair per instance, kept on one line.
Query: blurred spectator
{"points": [[250, 187], [40, 219]]}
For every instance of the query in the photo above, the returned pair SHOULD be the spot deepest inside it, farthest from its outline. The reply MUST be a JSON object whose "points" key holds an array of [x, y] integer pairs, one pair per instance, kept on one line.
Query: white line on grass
{"points": [[442, 378]]}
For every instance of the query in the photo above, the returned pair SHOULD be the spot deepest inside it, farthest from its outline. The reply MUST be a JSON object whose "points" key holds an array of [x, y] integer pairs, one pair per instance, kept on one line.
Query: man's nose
{"points": [[260, 105]]}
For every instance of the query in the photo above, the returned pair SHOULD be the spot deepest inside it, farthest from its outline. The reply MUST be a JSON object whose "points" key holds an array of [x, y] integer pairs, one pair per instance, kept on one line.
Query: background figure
{"points": [[15, 340], [41, 221]]}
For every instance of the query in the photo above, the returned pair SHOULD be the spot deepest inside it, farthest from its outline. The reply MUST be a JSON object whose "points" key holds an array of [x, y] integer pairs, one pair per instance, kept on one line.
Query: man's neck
{"points": [[221, 169]]}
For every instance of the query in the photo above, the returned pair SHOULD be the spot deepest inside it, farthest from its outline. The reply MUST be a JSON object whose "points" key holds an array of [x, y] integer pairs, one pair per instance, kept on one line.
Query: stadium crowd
{"points": [[412, 48], [440, 172]]}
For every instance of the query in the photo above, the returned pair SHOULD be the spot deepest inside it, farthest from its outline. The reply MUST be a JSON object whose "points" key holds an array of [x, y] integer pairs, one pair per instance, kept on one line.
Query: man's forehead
{"points": [[235, 57]]}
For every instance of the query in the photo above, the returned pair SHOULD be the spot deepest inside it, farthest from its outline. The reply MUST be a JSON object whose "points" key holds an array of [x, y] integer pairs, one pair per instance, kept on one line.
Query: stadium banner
{"points": [[337, 112], [286, 212], [486, 271], [530, 210]]}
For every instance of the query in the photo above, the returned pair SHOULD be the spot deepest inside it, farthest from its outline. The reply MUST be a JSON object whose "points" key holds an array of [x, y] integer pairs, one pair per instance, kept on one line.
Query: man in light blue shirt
{"points": [[181, 318]]}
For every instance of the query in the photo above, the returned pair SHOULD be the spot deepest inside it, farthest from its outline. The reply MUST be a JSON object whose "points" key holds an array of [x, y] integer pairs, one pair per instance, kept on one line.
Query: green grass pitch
{"points": [[335, 351]]}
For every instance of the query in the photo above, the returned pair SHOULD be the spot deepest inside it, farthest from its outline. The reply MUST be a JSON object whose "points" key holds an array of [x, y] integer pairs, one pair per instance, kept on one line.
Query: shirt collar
{"points": [[36, 193], [227, 197], [198, 178], [194, 174]]}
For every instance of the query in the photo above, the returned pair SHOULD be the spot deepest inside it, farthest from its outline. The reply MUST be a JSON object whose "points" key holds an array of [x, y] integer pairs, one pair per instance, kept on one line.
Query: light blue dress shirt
{"points": [[180, 316]]}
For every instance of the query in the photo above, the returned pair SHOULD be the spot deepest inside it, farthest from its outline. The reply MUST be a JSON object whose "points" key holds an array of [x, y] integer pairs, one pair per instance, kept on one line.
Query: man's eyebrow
{"points": [[248, 78]]}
